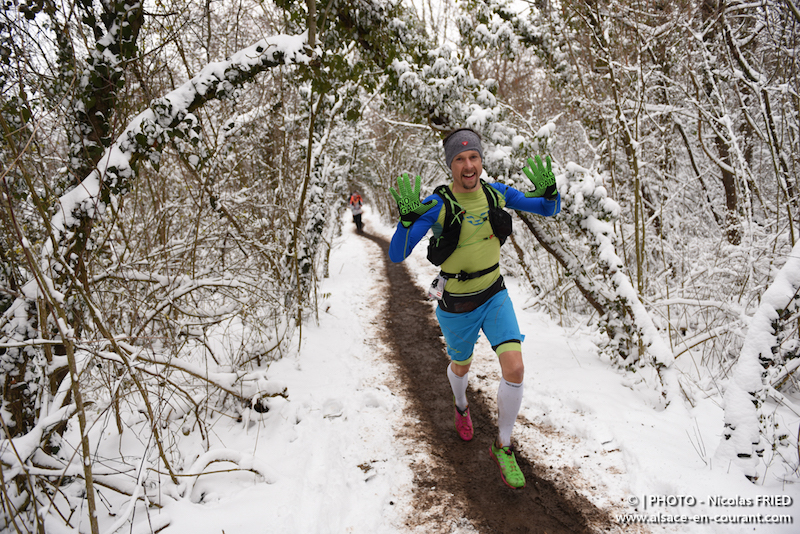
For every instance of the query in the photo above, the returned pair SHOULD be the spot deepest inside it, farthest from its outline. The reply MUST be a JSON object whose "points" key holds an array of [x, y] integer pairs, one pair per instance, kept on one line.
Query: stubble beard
{"points": [[473, 180]]}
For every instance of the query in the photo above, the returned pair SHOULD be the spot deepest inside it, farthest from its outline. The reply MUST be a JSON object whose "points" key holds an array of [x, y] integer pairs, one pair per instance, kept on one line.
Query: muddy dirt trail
{"points": [[457, 485]]}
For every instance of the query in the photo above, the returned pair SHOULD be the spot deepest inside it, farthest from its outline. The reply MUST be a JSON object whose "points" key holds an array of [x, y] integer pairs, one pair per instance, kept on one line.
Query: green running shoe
{"points": [[509, 470]]}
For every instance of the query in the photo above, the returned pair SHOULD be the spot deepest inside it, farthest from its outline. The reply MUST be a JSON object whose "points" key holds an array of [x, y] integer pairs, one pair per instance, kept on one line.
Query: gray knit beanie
{"points": [[460, 141]]}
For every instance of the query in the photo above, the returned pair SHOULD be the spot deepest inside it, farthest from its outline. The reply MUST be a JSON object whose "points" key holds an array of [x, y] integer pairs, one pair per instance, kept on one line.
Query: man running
{"points": [[469, 225]]}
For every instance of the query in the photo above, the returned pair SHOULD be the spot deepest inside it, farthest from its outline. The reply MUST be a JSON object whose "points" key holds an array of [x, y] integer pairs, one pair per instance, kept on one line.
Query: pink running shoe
{"points": [[463, 423]]}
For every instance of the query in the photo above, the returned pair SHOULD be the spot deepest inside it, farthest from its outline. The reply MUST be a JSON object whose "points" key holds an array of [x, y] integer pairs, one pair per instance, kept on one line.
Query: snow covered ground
{"points": [[333, 465]]}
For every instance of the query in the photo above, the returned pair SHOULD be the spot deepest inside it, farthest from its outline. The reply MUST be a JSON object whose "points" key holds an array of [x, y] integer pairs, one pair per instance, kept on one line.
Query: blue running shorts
{"points": [[495, 317]]}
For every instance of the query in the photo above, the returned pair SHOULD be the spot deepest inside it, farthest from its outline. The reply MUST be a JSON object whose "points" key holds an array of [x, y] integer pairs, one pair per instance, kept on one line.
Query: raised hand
{"points": [[543, 179], [408, 201]]}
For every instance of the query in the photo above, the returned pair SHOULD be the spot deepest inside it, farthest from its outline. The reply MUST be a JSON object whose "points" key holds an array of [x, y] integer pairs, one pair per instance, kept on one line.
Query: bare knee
{"points": [[515, 375], [512, 366], [460, 369]]}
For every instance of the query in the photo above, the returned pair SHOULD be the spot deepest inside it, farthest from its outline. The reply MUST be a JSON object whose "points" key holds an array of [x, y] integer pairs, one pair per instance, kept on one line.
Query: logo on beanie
{"points": [[465, 143]]}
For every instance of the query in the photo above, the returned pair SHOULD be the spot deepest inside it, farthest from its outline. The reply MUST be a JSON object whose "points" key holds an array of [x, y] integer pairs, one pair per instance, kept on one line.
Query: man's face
{"points": [[467, 169]]}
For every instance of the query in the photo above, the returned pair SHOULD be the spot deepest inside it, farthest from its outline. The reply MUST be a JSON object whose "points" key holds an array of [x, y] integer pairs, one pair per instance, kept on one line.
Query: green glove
{"points": [[408, 200], [544, 181]]}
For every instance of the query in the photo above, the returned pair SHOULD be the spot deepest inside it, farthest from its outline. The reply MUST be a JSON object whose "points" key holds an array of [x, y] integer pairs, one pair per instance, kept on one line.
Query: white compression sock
{"points": [[509, 400], [459, 386]]}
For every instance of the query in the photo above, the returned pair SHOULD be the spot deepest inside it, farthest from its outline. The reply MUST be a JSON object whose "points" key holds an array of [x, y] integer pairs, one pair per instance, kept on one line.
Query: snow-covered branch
{"points": [[743, 440]]}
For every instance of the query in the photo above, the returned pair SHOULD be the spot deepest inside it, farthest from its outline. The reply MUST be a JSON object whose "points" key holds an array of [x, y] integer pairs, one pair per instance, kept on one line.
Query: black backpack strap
{"points": [[492, 195], [453, 213], [440, 248], [499, 218], [463, 275]]}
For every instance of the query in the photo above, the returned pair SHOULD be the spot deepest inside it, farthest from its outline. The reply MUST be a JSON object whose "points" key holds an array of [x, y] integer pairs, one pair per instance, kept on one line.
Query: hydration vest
{"points": [[442, 247]]}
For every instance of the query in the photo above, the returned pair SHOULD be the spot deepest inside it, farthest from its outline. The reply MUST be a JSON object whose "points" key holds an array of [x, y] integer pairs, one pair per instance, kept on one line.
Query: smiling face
{"points": [[466, 168]]}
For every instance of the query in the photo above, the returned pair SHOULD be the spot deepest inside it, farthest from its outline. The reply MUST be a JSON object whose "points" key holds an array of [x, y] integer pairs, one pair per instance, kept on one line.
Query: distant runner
{"points": [[469, 224], [356, 203]]}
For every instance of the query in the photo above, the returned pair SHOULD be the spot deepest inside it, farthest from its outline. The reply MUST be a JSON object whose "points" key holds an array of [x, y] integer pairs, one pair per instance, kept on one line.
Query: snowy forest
{"points": [[172, 174]]}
